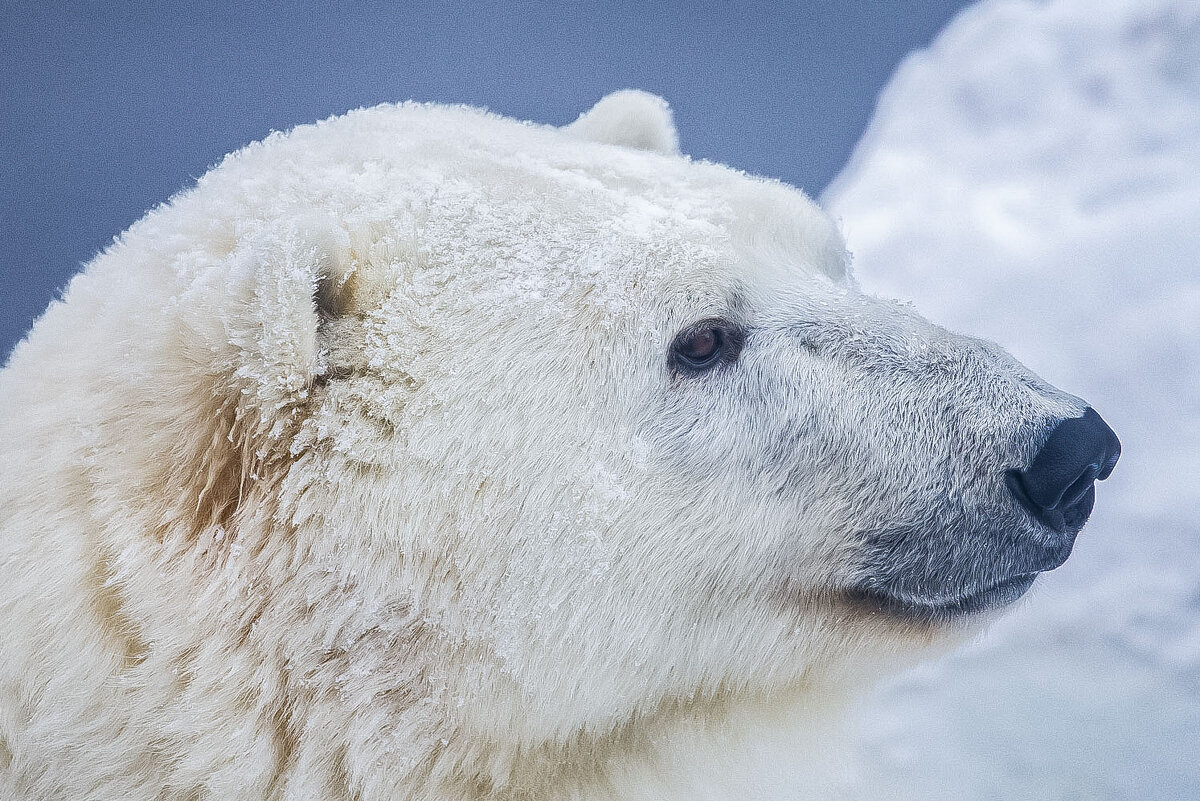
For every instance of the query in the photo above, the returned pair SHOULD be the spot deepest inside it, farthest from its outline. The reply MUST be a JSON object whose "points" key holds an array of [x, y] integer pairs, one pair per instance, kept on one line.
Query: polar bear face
{"points": [[465, 440], [622, 426]]}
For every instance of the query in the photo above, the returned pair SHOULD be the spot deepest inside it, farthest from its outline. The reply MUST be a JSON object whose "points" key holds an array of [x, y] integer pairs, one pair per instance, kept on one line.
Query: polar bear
{"points": [[425, 454]]}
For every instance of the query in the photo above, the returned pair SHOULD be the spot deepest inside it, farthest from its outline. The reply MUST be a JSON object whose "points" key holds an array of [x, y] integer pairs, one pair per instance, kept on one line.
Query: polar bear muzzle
{"points": [[1052, 497]]}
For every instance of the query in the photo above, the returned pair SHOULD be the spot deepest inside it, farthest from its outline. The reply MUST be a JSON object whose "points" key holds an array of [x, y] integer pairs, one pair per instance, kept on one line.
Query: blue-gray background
{"points": [[107, 109]]}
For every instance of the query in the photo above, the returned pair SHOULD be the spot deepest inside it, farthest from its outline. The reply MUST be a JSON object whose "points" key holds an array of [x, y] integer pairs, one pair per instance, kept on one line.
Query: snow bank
{"points": [[1034, 178]]}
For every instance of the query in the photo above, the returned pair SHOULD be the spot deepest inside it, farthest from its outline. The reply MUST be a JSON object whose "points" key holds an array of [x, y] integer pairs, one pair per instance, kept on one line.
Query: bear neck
{"points": [[726, 746]]}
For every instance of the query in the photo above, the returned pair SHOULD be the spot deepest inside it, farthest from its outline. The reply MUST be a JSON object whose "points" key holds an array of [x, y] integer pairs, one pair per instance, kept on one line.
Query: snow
{"points": [[1034, 178]]}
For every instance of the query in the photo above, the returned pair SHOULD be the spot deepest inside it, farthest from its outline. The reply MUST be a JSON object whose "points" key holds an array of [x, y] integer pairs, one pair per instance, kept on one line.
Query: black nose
{"points": [[1057, 487]]}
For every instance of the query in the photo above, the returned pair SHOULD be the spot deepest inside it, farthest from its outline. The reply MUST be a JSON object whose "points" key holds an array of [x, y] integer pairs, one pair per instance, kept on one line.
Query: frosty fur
{"points": [[356, 472]]}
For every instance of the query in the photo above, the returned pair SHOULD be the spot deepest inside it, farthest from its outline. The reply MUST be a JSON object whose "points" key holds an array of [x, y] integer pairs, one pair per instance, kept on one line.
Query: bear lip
{"points": [[943, 609]]}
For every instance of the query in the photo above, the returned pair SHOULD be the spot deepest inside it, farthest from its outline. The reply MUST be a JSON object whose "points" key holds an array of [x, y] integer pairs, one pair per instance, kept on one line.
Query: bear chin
{"points": [[935, 611]]}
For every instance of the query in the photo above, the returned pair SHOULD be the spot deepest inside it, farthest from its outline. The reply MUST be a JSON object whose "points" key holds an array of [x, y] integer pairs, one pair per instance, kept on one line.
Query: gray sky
{"points": [[107, 109]]}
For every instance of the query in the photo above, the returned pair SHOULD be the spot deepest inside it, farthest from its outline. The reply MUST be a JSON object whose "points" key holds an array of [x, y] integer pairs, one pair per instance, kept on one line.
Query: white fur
{"points": [[357, 472], [630, 118]]}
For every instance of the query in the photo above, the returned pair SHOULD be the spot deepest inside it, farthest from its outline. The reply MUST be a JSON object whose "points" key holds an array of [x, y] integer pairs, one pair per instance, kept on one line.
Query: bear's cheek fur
{"points": [[554, 551]]}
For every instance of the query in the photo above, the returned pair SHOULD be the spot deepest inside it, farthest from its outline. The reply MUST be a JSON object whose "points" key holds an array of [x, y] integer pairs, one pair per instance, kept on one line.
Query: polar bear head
{"points": [[501, 439]]}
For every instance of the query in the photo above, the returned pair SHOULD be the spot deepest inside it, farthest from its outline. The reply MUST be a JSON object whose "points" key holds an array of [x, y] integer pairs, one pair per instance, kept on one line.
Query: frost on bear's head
{"points": [[475, 442]]}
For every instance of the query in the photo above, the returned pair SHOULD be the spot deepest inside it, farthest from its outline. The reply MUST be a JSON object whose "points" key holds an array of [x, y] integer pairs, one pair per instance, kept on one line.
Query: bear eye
{"points": [[706, 344]]}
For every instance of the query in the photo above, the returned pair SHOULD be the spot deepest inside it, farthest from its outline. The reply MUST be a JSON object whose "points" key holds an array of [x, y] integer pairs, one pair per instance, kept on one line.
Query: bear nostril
{"points": [[1080, 487], [1057, 483]]}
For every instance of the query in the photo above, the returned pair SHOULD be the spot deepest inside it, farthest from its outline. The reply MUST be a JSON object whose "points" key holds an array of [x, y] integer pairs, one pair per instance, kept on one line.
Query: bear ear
{"points": [[287, 285], [630, 118]]}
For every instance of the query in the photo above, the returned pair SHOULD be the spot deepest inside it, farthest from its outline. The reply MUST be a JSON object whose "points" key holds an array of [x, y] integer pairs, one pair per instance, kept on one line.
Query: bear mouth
{"points": [[943, 609]]}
